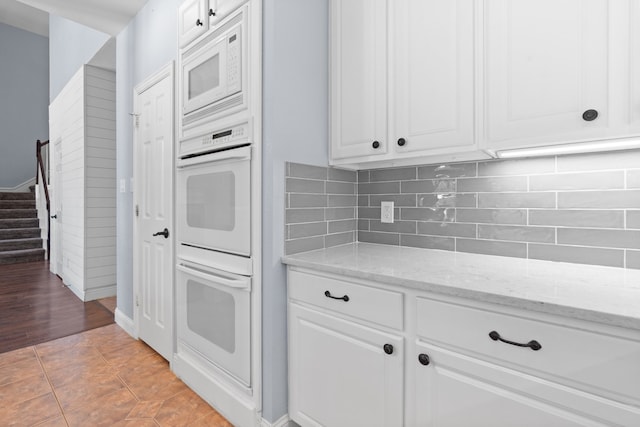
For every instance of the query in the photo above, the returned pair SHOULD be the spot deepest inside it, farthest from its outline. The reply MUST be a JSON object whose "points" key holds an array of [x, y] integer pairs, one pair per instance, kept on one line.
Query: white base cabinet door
{"points": [[454, 390], [342, 373]]}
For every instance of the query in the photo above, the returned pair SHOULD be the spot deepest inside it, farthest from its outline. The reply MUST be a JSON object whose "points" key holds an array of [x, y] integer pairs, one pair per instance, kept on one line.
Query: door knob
{"points": [[164, 233], [401, 142], [424, 359], [375, 144]]}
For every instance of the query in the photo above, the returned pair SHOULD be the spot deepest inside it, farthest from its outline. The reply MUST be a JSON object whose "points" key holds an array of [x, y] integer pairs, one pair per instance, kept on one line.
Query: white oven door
{"points": [[213, 201], [214, 317]]}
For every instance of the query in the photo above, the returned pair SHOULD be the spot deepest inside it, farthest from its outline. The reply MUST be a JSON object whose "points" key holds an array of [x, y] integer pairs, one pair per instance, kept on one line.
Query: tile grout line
{"points": [[53, 390]]}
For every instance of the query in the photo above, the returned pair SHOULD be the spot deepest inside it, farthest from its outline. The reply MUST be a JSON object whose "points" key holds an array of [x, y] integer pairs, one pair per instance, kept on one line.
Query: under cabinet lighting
{"points": [[581, 147]]}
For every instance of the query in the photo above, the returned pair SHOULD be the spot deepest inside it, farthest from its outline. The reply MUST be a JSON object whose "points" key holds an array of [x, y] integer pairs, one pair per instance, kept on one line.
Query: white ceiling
{"points": [[17, 14], [108, 16]]}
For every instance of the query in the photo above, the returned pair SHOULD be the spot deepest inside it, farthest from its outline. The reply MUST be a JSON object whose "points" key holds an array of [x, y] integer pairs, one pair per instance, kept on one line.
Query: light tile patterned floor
{"points": [[101, 377]]}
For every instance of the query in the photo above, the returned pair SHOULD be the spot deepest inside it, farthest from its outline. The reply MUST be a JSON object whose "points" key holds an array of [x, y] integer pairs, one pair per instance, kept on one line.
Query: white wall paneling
{"points": [[82, 117]]}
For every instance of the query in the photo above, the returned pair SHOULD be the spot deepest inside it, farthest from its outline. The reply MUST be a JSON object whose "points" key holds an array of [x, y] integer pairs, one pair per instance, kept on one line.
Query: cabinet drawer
{"points": [[362, 302], [602, 364]]}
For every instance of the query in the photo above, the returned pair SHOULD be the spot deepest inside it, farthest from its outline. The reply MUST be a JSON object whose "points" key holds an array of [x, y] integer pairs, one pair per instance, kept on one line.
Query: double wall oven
{"points": [[213, 204]]}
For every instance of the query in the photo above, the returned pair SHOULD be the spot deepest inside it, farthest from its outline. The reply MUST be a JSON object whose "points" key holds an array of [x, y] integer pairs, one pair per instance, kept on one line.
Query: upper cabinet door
{"points": [[550, 71], [358, 78], [192, 20], [433, 60], [218, 9]]}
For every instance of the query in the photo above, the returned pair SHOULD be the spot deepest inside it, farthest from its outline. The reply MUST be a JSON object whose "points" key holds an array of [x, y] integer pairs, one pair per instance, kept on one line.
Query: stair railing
{"points": [[40, 172]]}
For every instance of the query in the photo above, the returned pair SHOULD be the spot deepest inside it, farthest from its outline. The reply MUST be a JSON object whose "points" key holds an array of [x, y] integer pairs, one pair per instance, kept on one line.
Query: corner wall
{"points": [[71, 45], [24, 102], [295, 112], [147, 44]]}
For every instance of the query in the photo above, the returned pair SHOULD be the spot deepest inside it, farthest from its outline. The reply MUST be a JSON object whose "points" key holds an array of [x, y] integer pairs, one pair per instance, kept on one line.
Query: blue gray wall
{"points": [[147, 44], [24, 102], [71, 45], [295, 130]]}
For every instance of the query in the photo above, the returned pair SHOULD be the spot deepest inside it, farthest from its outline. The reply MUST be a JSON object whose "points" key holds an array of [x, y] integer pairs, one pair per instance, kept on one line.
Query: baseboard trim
{"points": [[283, 421], [126, 323], [101, 292], [20, 188]]}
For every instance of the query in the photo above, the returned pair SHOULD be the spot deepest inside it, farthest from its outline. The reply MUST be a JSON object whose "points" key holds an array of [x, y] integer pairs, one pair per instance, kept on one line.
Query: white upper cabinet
{"points": [[433, 70], [192, 20], [358, 78], [401, 78], [558, 71], [438, 80], [218, 9]]}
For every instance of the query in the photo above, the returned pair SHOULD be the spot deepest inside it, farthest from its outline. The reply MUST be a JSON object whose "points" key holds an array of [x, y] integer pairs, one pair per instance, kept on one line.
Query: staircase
{"points": [[20, 239]]}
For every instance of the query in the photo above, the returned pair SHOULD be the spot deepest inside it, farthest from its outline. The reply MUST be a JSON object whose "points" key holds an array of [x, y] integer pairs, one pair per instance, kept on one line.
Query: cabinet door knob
{"points": [[388, 348], [590, 115], [164, 233], [423, 359], [401, 142], [375, 144], [199, 23], [211, 12]]}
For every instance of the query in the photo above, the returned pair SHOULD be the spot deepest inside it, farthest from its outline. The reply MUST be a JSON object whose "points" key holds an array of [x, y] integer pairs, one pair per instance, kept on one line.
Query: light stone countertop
{"points": [[601, 294]]}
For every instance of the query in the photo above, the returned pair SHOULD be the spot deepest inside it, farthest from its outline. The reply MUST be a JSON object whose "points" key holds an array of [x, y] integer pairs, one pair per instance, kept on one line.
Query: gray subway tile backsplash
{"points": [[589, 218], [580, 209], [633, 178], [577, 254]]}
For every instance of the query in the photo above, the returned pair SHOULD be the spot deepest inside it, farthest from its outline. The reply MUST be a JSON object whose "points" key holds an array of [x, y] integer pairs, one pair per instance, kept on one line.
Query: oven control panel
{"points": [[239, 134]]}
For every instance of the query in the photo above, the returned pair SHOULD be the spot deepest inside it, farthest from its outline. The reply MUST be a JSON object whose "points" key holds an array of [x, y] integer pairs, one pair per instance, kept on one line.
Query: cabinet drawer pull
{"points": [[401, 142], [375, 144], [424, 359], [388, 348], [533, 344], [328, 295]]}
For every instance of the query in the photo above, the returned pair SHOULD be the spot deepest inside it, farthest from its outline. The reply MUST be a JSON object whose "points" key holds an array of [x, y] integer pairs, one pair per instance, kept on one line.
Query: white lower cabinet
{"points": [[343, 373], [365, 354]]}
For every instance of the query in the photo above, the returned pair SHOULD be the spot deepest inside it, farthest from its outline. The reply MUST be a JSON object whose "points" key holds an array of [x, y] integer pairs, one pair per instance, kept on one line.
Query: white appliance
{"points": [[213, 206], [213, 73], [213, 317]]}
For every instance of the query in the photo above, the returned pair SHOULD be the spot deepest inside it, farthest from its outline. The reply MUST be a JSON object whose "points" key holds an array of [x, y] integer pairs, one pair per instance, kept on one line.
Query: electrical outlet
{"points": [[386, 212]]}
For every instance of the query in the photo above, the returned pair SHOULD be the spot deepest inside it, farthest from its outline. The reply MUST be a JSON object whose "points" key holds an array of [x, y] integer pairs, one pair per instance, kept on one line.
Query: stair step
{"points": [[18, 244], [18, 213], [17, 204], [19, 223], [19, 256], [18, 233], [17, 196]]}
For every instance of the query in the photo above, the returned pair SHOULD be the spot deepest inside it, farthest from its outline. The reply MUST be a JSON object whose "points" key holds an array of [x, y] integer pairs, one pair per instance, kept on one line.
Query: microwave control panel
{"points": [[231, 136], [234, 63]]}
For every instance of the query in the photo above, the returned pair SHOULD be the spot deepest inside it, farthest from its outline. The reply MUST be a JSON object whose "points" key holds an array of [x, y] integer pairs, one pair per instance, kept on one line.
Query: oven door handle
{"points": [[236, 154], [242, 283]]}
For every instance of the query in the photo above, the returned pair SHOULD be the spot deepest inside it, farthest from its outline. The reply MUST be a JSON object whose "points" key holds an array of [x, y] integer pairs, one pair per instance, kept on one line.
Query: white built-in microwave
{"points": [[213, 73]]}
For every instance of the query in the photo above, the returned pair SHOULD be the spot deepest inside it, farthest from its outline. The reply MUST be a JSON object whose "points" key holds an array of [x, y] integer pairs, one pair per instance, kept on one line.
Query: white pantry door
{"points": [[153, 244]]}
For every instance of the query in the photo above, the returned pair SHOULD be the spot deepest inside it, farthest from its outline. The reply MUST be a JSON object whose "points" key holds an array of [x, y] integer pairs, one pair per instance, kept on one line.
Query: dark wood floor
{"points": [[36, 307]]}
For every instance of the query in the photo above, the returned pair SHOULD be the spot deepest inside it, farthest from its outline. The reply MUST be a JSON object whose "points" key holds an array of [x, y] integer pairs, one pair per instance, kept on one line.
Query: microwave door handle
{"points": [[237, 284], [243, 153]]}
